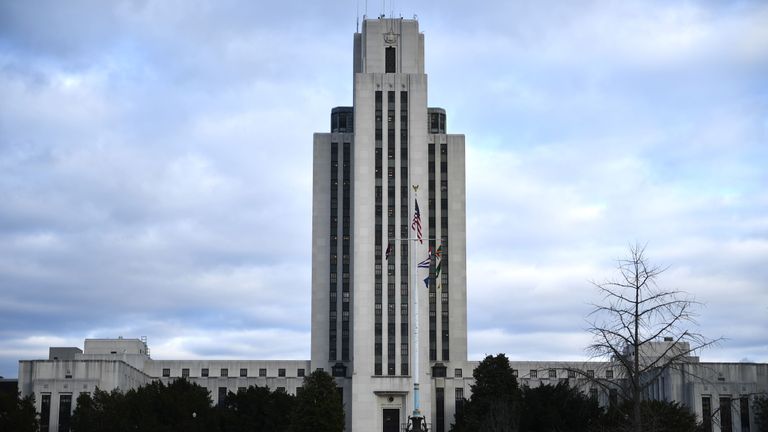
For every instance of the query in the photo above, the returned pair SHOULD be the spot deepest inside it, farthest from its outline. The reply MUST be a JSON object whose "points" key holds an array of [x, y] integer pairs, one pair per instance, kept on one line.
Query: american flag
{"points": [[389, 251], [416, 224]]}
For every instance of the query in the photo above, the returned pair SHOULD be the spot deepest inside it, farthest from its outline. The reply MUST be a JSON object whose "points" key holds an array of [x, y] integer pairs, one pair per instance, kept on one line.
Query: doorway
{"points": [[391, 420]]}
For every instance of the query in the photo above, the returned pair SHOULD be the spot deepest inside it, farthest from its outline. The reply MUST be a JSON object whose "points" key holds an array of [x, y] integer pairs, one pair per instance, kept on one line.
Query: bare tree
{"points": [[634, 313]]}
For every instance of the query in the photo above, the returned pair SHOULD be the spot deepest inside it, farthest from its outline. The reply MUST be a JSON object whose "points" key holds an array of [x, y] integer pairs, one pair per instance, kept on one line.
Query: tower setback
{"points": [[384, 156]]}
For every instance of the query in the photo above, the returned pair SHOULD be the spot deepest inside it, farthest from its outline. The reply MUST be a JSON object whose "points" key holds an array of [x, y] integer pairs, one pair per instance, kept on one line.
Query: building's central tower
{"points": [[364, 252]]}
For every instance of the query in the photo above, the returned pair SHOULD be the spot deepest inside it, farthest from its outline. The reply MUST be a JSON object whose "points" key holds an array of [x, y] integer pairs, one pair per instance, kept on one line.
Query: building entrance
{"points": [[391, 419]]}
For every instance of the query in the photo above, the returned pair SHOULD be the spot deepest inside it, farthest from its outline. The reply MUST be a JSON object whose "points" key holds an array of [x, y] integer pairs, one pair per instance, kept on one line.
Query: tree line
{"points": [[498, 404], [185, 406]]}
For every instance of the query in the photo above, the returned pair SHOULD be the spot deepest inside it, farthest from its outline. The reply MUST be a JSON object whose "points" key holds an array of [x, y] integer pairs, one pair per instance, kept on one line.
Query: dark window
{"points": [[281, 372], [552, 374], [243, 372], [65, 412], [185, 373], [280, 389], [263, 372], [45, 413], [706, 413], [438, 370], [726, 419], [204, 372], [609, 374], [300, 372], [571, 374], [390, 60], [590, 374], [222, 395], [744, 411], [166, 372], [533, 373], [457, 373], [241, 389], [224, 372], [440, 411], [459, 400]]}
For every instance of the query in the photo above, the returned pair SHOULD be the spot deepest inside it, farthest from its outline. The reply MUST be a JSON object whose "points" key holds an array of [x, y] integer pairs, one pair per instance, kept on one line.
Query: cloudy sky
{"points": [[155, 166]]}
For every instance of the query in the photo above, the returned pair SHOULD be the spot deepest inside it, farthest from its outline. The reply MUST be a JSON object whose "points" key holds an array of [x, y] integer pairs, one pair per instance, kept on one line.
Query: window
{"points": [[613, 397], [281, 372], [459, 400], [204, 372], [744, 411], [457, 373], [571, 374], [552, 374], [241, 389], [390, 60], [609, 374], [533, 373], [224, 372], [185, 373], [300, 372], [222, 395], [166, 372], [593, 393], [243, 372], [263, 372], [440, 409], [281, 389], [706, 413], [590, 373], [65, 411], [45, 413], [726, 419]]}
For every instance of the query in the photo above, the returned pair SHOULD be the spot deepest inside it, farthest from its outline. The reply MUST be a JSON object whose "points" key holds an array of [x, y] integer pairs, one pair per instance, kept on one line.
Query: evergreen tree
{"points": [[656, 416], [318, 406], [18, 414], [557, 408], [257, 409], [494, 405]]}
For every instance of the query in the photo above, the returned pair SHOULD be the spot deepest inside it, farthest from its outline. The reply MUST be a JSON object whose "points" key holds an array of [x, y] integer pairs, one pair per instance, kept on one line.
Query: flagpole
{"points": [[417, 418]]}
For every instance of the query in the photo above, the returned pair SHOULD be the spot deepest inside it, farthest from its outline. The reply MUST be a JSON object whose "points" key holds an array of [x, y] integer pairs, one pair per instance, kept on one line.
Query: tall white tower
{"points": [[364, 252]]}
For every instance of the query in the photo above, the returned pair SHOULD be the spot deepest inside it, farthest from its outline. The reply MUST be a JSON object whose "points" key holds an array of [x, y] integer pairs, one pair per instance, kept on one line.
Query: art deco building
{"points": [[385, 154]]}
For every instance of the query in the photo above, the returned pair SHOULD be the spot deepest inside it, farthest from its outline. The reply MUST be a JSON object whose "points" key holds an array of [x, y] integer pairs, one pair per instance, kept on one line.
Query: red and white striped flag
{"points": [[416, 224]]}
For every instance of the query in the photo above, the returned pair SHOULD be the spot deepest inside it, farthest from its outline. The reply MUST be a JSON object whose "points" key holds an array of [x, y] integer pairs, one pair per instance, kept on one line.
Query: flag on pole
{"points": [[426, 262], [416, 224], [426, 282], [388, 252]]}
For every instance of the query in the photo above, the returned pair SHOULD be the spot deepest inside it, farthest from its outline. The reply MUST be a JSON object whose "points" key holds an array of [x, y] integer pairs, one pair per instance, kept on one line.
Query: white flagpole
{"points": [[415, 296]]}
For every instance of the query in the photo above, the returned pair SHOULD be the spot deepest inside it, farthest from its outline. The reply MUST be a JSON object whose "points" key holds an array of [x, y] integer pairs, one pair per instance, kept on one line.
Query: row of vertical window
{"points": [[432, 243], [333, 251], [404, 223], [439, 425], [726, 413], [444, 259], [224, 372], [378, 162], [345, 229], [391, 334]]}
